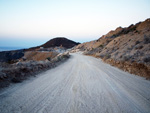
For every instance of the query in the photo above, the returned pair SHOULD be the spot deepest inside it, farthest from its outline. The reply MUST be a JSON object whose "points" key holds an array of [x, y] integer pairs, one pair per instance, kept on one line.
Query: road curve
{"points": [[82, 84]]}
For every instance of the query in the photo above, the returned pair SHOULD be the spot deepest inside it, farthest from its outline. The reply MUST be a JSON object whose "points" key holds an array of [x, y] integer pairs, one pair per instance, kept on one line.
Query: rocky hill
{"points": [[60, 41], [126, 48], [57, 42]]}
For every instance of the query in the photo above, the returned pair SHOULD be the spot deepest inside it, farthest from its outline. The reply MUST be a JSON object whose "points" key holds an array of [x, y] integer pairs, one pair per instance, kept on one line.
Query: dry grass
{"points": [[38, 56]]}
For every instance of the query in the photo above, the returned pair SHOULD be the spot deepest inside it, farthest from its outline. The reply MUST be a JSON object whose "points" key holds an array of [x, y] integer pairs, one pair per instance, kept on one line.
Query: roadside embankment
{"points": [[133, 68], [17, 72]]}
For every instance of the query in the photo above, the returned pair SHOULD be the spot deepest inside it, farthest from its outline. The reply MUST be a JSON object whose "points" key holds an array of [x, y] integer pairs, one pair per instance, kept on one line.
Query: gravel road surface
{"points": [[82, 84]]}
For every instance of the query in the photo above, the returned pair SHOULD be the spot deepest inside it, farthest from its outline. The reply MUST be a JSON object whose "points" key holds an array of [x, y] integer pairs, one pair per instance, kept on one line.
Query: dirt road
{"points": [[83, 84]]}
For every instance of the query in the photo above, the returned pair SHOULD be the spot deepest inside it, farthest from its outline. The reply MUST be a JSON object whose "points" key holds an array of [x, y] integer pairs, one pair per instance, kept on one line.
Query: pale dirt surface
{"points": [[82, 84]]}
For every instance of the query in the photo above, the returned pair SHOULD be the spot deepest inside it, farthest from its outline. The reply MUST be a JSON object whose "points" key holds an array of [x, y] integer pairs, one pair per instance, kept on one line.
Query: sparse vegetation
{"points": [[107, 56], [108, 41], [101, 46], [146, 59], [19, 71], [137, 42], [101, 56], [126, 58], [116, 53], [48, 58], [129, 48], [146, 39], [138, 46]]}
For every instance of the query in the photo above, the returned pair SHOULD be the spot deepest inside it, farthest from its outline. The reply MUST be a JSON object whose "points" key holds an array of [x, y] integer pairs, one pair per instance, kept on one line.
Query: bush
{"points": [[101, 56], [16, 80], [59, 58], [146, 59], [138, 46], [108, 41], [129, 48], [146, 39], [137, 42], [126, 58], [48, 58], [107, 56], [116, 53], [11, 61], [101, 46], [65, 56]]}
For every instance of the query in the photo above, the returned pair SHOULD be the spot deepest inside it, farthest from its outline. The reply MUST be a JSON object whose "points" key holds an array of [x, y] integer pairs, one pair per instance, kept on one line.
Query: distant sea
{"points": [[10, 48]]}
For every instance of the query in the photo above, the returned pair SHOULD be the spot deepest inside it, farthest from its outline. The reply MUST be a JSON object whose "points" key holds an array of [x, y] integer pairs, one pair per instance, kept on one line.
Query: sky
{"points": [[27, 23]]}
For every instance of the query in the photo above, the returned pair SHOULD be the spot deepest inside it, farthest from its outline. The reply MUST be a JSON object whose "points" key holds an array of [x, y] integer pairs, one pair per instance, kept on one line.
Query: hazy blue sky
{"points": [[27, 23]]}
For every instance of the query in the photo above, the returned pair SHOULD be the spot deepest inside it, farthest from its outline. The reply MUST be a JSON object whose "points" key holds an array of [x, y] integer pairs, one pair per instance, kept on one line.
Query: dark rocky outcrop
{"points": [[60, 41], [8, 56]]}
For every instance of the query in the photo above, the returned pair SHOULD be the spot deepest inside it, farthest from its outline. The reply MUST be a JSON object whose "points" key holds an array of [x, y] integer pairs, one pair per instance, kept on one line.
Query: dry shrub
{"points": [[146, 59], [146, 39]]}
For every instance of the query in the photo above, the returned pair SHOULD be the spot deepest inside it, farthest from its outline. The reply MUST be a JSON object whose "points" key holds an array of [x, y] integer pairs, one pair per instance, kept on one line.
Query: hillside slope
{"points": [[127, 48]]}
